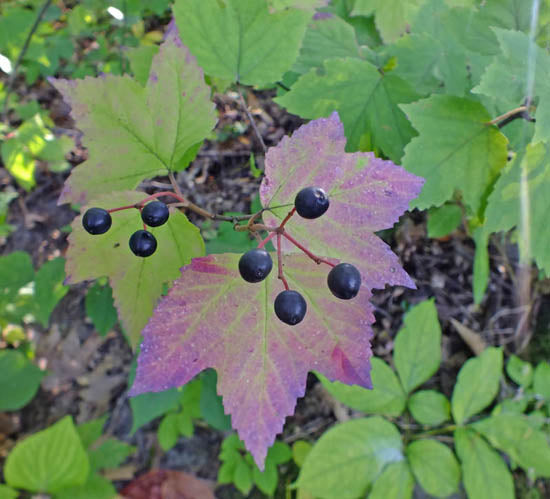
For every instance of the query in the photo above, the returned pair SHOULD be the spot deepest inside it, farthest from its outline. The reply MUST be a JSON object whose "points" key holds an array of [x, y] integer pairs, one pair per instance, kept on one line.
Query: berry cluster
{"points": [[344, 280], [142, 242]]}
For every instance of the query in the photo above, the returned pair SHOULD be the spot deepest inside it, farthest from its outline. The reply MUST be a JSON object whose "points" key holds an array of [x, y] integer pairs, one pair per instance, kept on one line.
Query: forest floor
{"points": [[89, 373]]}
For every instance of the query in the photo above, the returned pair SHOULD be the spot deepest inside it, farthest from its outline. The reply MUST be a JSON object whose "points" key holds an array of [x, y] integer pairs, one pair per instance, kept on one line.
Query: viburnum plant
{"points": [[230, 312]]}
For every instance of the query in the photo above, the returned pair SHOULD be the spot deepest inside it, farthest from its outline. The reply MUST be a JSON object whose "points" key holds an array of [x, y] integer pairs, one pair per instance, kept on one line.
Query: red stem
{"points": [[287, 218], [315, 258], [280, 262], [266, 240]]}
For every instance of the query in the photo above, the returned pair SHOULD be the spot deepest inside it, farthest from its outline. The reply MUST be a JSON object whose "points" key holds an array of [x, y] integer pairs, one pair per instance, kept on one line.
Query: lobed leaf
{"points": [[134, 132], [239, 40], [137, 282], [366, 195], [213, 318]]}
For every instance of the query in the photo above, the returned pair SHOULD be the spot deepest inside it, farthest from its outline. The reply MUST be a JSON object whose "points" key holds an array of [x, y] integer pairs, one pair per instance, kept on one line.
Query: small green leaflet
{"points": [[134, 132], [137, 282], [456, 149], [366, 101], [240, 40], [524, 186]]}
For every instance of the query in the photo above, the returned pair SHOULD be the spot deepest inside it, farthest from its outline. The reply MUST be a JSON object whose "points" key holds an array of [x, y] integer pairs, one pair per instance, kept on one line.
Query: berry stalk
{"points": [[280, 262], [315, 258]]}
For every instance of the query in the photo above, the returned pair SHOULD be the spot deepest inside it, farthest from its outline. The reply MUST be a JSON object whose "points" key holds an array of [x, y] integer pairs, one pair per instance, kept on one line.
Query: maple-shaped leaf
{"points": [[134, 132], [520, 199], [455, 149], [240, 40], [366, 195], [366, 100], [211, 317], [137, 282]]}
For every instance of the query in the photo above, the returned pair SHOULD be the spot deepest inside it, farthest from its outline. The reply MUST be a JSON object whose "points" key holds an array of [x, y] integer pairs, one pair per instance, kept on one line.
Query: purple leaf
{"points": [[367, 194], [213, 318]]}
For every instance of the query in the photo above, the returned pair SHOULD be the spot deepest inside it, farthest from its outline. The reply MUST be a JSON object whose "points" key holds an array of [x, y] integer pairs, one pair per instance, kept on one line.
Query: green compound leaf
{"points": [[541, 380], [49, 288], [435, 467], [48, 460], [520, 371], [455, 150], [514, 434], [326, 38], [443, 220], [366, 101], [132, 132], [352, 453], [211, 317], [100, 308], [477, 384], [137, 282], [7, 492], [387, 397], [485, 475], [96, 487], [510, 73], [111, 453], [395, 482], [511, 195], [429, 407], [391, 17], [19, 381], [417, 349], [239, 40]]}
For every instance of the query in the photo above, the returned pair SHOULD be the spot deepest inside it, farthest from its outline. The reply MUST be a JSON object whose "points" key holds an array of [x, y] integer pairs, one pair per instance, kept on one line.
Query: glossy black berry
{"points": [[143, 243], [155, 214], [255, 265], [290, 307], [311, 202], [344, 281], [97, 221]]}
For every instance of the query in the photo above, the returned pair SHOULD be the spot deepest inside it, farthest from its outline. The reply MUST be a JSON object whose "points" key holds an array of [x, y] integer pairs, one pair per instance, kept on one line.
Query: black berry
{"points": [[290, 307], [143, 243], [155, 214], [344, 281], [311, 202], [255, 265], [97, 221]]}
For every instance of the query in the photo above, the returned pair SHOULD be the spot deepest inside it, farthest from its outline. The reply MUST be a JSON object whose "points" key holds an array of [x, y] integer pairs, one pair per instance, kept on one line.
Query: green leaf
{"points": [[510, 74], [266, 480], [391, 16], [7, 492], [352, 453], [240, 40], [513, 196], [243, 477], [435, 467], [226, 472], [19, 381], [521, 371], [100, 308], [326, 39], [96, 487], [387, 396], [417, 349], [477, 384], [168, 432], [300, 450], [148, 406], [48, 460], [278, 453], [443, 220], [366, 101], [90, 431], [110, 454], [455, 150], [19, 162], [148, 130], [141, 59], [395, 482], [481, 263], [485, 475], [429, 407], [137, 282], [541, 380], [49, 288], [514, 434], [228, 240]]}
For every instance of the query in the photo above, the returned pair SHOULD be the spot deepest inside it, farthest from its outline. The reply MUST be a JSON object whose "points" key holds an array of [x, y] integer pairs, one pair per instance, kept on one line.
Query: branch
{"points": [[504, 119], [252, 122], [13, 74]]}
